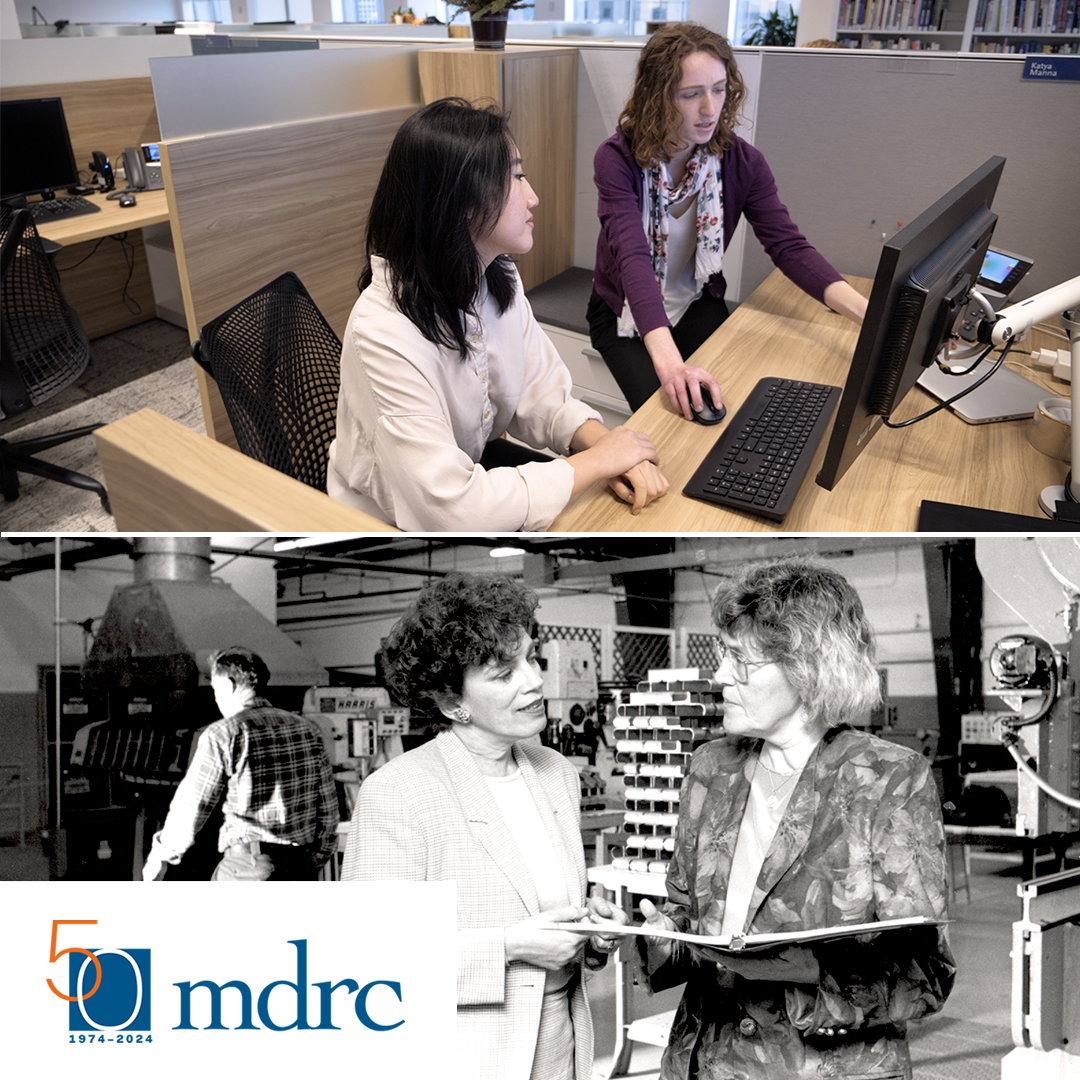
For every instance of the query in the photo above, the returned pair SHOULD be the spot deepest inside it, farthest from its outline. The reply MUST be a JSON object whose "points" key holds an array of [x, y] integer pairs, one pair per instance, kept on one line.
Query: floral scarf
{"points": [[702, 176]]}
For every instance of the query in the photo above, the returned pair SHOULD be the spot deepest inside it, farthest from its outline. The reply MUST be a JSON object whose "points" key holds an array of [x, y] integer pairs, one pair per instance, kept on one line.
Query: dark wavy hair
{"points": [[244, 667], [459, 622], [806, 617], [650, 118], [446, 179]]}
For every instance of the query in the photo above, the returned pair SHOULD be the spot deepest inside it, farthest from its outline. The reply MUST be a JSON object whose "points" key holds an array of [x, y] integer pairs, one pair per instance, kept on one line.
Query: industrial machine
{"points": [[571, 690], [122, 730], [1034, 677], [362, 729]]}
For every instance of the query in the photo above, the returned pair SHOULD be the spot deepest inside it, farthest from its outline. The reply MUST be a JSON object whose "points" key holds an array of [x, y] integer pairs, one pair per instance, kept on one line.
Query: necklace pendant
{"points": [[772, 800]]}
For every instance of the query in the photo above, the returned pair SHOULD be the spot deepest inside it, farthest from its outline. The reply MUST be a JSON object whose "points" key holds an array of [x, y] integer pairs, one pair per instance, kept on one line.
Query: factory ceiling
{"points": [[566, 558]]}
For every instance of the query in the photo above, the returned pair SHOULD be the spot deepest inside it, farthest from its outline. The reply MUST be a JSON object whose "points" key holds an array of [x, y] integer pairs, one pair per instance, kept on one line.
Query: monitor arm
{"points": [[1015, 321]]}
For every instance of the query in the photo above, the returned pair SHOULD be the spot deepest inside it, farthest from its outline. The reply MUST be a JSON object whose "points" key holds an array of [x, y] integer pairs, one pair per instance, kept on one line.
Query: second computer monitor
{"points": [[921, 290], [35, 148]]}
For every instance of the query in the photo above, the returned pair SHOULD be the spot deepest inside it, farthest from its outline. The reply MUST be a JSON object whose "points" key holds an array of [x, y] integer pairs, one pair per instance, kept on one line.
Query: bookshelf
{"points": [[980, 26]]}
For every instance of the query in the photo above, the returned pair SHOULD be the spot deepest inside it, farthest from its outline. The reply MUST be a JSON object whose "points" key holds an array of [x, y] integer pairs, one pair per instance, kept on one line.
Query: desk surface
{"points": [[151, 207], [781, 331]]}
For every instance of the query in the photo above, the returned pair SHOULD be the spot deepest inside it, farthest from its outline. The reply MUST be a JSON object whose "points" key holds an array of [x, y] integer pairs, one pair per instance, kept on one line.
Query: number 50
{"points": [[54, 955]]}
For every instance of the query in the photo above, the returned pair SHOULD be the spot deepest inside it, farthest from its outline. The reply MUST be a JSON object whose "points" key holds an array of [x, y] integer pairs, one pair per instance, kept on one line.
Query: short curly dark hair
{"points": [[459, 622]]}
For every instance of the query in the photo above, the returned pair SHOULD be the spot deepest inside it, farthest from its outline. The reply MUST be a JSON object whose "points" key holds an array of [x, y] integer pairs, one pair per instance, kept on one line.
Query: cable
{"points": [[1029, 772], [956, 397]]}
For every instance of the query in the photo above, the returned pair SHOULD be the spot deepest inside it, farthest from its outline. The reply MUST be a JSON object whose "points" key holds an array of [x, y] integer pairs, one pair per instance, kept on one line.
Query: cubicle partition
{"points": [[862, 141], [273, 157], [271, 161]]}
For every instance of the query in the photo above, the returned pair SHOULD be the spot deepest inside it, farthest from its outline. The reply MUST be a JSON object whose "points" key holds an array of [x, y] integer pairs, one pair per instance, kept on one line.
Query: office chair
{"points": [[277, 364], [44, 350]]}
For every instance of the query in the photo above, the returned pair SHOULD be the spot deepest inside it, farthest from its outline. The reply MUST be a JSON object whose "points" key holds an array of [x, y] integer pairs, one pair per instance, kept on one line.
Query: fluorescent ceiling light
{"points": [[505, 552], [294, 542]]}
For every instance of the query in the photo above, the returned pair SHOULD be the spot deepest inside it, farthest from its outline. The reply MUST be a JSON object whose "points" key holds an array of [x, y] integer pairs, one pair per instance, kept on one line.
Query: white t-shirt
{"points": [[682, 288], [516, 803], [762, 817]]}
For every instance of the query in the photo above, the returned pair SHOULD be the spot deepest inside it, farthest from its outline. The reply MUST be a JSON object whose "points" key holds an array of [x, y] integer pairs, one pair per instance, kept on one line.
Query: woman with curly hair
{"points": [[485, 805], [658, 282], [794, 820]]}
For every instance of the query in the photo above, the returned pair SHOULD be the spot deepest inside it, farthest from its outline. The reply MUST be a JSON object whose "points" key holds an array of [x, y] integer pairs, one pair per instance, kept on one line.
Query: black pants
{"points": [[628, 359], [502, 453]]}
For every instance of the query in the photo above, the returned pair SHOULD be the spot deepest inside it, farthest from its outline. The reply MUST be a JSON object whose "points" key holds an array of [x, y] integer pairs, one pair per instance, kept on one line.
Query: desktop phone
{"points": [[142, 166]]}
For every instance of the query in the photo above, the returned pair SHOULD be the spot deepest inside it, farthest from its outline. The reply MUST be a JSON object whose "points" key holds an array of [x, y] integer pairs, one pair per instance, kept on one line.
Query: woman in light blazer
{"points": [[485, 805]]}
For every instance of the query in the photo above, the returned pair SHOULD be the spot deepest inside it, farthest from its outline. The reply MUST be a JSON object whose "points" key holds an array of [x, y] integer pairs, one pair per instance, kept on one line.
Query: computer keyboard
{"points": [[764, 452], [58, 209]]}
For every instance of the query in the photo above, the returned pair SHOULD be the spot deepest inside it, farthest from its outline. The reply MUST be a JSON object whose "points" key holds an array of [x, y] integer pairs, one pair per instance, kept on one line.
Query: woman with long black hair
{"points": [[442, 355]]}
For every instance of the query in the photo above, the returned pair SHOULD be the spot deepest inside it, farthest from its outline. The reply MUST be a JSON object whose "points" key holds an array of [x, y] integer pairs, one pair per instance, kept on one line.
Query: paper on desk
{"points": [[739, 942]]}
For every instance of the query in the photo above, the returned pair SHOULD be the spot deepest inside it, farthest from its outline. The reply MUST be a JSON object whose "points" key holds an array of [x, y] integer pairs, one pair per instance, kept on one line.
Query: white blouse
{"points": [[413, 419]]}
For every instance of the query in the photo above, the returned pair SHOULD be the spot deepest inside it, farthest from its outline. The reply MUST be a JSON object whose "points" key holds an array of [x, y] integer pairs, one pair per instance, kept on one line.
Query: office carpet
{"points": [[145, 365]]}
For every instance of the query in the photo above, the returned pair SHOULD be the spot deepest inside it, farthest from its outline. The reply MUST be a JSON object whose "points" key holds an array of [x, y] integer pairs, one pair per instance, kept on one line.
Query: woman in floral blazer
{"points": [[794, 820]]}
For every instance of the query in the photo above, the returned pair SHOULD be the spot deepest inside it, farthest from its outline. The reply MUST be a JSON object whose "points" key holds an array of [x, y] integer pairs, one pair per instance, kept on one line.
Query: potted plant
{"points": [[489, 19], [398, 16], [774, 28]]}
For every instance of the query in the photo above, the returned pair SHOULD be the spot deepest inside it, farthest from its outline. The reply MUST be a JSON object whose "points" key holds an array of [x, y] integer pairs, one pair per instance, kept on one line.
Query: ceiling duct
{"points": [[160, 631]]}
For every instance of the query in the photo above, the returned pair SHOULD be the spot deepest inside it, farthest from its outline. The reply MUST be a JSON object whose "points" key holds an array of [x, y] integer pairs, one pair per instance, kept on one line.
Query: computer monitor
{"points": [[920, 294], [35, 148]]}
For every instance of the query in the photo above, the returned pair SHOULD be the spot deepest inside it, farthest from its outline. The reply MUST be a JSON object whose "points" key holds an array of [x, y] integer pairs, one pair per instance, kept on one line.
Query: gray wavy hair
{"points": [[806, 617]]}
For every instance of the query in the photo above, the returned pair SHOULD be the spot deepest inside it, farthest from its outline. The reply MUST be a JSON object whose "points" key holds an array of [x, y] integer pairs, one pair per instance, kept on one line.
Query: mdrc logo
{"points": [[108, 988], [122, 1000]]}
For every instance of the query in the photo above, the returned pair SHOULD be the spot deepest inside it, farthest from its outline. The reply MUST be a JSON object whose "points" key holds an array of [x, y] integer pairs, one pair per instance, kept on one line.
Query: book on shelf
{"points": [[737, 943]]}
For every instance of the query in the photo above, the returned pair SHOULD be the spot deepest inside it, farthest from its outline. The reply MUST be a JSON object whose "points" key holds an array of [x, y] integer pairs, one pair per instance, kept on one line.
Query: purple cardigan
{"points": [[623, 265]]}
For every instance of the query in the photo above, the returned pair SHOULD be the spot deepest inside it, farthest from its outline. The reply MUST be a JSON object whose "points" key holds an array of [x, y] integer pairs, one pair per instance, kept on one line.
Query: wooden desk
{"points": [[151, 208], [163, 477], [96, 288], [781, 331]]}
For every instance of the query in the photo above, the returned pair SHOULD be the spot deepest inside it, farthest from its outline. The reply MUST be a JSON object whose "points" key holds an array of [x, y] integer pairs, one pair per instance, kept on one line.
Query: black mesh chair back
{"points": [[44, 350], [48, 345], [277, 364]]}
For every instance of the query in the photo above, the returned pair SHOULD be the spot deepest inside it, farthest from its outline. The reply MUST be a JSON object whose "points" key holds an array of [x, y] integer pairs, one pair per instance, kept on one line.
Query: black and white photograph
{"points": [[764, 746]]}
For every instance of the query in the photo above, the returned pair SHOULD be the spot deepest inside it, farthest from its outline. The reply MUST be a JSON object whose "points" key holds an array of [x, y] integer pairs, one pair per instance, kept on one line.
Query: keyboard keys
{"points": [[58, 209], [761, 457]]}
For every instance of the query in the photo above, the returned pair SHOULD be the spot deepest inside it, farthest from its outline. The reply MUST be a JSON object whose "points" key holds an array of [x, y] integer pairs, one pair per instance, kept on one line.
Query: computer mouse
{"points": [[127, 200], [709, 413]]}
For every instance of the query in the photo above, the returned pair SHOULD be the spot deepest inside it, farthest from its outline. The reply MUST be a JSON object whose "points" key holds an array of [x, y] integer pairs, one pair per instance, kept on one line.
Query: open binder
{"points": [[734, 943]]}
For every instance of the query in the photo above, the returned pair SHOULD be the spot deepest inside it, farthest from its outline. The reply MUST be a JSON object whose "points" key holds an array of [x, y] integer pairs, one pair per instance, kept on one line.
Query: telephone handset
{"points": [[142, 166]]}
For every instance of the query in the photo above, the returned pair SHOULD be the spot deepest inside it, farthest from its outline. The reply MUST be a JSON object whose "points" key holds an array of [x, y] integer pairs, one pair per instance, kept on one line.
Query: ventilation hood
{"points": [[159, 631]]}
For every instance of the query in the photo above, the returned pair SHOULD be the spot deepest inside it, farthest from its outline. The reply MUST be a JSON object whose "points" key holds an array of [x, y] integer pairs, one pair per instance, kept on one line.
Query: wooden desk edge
{"points": [[151, 208], [162, 476]]}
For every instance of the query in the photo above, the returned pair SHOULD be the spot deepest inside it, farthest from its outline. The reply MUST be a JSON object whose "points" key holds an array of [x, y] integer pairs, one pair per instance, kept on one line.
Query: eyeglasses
{"points": [[740, 666]]}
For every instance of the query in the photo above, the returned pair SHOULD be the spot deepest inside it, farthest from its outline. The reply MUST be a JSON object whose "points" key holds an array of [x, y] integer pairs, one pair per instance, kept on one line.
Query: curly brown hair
{"points": [[650, 118], [459, 622]]}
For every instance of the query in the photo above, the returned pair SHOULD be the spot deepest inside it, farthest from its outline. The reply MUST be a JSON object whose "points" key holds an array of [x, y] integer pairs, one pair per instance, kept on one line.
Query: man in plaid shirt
{"points": [[268, 769]]}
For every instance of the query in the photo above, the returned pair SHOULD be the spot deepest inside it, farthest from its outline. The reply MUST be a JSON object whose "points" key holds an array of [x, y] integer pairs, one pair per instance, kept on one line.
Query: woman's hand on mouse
{"points": [[681, 383]]}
